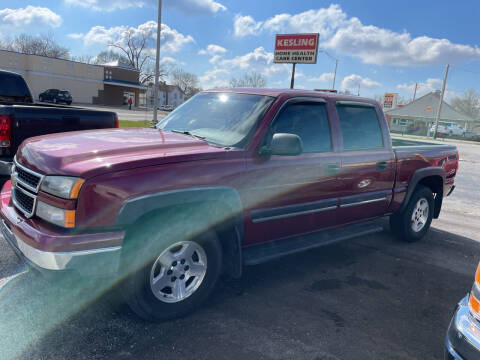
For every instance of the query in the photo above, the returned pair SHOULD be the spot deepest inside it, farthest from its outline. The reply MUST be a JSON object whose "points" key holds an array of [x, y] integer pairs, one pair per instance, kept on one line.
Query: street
{"points": [[136, 114], [370, 298]]}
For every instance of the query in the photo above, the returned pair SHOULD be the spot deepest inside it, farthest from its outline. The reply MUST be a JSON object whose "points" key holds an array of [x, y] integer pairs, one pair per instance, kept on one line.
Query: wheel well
{"points": [[221, 220], [435, 184]]}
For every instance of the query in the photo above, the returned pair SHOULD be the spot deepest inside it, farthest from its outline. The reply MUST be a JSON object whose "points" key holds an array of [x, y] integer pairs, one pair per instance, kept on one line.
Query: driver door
{"points": [[291, 195]]}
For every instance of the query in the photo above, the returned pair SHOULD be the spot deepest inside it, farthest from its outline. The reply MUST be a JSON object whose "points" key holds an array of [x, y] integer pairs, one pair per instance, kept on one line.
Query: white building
{"points": [[167, 95]]}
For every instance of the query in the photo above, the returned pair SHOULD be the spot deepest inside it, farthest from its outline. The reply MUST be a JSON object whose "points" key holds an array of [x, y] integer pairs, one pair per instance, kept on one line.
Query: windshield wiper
{"points": [[185, 132]]}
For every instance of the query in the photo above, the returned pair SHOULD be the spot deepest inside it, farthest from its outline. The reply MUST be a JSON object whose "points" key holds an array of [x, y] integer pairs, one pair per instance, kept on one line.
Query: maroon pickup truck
{"points": [[232, 177]]}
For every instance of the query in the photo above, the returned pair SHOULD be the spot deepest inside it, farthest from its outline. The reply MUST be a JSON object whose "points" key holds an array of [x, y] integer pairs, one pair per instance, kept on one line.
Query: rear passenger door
{"points": [[368, 162]]}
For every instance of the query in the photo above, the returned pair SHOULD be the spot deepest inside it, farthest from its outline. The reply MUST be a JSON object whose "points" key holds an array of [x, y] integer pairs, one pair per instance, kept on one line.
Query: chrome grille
{"points": [[25, 183], [24, 201], [29, 179]]}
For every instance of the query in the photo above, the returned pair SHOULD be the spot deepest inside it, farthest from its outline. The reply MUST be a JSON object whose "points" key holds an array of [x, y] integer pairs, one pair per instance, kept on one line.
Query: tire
{"points": [[412, 224], [172, 300], [69, 103]]}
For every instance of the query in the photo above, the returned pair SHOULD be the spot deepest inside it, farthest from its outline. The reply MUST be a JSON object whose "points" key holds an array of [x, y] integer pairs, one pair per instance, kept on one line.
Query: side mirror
{"points": [[284, 144]]}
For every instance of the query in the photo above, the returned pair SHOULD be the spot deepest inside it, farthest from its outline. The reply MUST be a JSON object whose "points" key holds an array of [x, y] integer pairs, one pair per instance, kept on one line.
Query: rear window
{"points": [[12, 85], [360, 128]]}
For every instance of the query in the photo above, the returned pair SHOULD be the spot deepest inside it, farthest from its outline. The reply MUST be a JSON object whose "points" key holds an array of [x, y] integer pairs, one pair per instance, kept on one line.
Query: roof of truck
{"points": [[294, 92]]}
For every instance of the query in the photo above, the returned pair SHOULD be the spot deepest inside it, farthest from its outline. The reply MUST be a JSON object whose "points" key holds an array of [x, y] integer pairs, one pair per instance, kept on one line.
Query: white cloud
{"points": [[196, 6], [170, 61], [258, 60], [214, 78], [30, 16], [352, 81], [372, 44], [324, 78], [188, 6], [246, 25], [429, 85], [171, 40], [76, 35], [213, 49]]}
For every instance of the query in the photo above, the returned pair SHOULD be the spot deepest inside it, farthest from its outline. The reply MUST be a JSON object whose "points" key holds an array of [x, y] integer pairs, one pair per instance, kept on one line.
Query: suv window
{"points": [[310, 122], [360, 128]]}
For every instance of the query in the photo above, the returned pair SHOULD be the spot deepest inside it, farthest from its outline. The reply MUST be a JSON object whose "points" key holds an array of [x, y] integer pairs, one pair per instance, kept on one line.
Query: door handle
{"points": [[382, 165], [333, 168]]}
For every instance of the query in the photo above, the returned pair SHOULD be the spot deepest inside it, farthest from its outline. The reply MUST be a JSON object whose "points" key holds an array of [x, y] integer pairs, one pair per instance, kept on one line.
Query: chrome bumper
{"points": [[463, 336], [96, 262]]}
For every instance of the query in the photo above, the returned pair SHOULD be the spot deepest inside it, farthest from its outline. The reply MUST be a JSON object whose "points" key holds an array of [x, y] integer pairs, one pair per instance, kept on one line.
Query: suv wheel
{"points": [[413, 223], [180, 277]]}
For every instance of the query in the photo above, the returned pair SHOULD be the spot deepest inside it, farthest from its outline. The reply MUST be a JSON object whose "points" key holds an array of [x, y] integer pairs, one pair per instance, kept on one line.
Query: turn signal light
{"points": [[474, 306], [474, 302]]}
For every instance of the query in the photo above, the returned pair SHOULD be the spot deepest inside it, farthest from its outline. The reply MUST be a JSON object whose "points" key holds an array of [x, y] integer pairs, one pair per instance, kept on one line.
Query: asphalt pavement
{"points": [[369, 298]]}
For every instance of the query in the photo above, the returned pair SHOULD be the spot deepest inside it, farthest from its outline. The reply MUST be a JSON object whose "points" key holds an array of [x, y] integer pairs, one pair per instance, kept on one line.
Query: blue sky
{"points": [[386, 47]]}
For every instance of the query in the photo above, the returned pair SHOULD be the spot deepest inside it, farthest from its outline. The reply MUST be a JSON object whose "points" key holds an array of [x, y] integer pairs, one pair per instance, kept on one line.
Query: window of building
{"points": [[310, 122], [360, 128]]}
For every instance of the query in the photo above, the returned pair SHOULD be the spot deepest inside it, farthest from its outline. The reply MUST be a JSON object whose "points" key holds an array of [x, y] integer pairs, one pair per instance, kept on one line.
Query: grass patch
{"points": [[129, 123]]}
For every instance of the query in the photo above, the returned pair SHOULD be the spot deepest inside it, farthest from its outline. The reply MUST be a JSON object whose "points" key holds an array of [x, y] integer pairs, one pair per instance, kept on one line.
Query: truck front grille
{"points": [[28, 178], [26, 184], [24, 201]]}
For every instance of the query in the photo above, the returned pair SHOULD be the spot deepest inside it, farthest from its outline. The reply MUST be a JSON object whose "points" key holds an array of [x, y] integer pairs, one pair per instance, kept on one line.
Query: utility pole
{"points": [[335, 74], [157, 62], [358, 92], [441, 101], [292, 81], [415, 92]]}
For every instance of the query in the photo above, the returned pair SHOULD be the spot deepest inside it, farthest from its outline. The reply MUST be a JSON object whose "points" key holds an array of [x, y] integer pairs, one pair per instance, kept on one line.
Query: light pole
{"points": [[157, 62], [336, 66]]}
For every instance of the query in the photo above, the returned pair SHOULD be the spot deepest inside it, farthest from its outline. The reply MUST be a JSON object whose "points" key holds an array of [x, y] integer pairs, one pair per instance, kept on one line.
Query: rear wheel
{"points": [[413, 223], [177, 279]]}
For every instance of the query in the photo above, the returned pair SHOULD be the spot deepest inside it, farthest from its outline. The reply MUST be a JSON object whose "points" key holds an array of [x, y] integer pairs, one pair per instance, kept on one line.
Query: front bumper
{"points": [[463, 335], [86, 254]]}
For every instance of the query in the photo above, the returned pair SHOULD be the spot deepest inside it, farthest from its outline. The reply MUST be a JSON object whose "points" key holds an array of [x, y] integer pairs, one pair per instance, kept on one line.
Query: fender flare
{"points": [[418, 176], [228, 197]]}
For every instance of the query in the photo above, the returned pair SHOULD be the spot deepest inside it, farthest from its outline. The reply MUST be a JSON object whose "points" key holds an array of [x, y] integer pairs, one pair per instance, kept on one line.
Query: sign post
{"points": [[295, 49]]}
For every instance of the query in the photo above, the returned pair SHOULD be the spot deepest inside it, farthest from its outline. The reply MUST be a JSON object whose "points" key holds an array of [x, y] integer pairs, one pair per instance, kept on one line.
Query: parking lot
{"points": [[369, 298]]}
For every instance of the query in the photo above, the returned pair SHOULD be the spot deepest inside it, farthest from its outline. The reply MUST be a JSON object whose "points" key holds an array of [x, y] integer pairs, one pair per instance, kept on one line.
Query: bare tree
{"points": [[468, 104], [86, 59], [107, 56], [135, 51], [187, 82], [43, 45], [252, 80]]}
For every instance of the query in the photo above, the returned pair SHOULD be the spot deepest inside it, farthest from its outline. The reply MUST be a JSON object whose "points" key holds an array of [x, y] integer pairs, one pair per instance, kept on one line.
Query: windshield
{"points": [[226, 119]]}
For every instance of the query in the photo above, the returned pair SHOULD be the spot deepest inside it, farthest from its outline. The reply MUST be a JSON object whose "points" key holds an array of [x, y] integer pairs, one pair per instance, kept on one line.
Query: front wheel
{"points": [[412, 224], [180, 277]]}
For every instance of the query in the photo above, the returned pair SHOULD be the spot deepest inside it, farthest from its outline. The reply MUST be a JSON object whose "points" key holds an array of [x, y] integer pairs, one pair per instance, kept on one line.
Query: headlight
{"points": [[66, 187], [54, 215]]}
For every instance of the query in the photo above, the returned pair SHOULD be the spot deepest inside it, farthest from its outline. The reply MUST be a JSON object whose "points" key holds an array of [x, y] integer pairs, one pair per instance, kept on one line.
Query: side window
{"points": [[360, 128], [310, 122]]}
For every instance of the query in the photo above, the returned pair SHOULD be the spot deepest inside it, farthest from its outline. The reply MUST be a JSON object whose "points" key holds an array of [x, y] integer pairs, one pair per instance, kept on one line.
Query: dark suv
{"points": [[56, 96]]}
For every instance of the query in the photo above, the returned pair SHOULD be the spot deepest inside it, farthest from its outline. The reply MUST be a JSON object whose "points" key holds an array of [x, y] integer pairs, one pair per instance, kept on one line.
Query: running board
{"points": [[262, 253]]}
